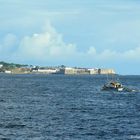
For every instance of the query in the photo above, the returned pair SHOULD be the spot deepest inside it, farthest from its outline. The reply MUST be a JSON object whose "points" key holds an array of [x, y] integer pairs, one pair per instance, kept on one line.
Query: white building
{"points": [[93, 71], [1, 65], [107, 71], [69, 70], [8, 71], [47, 71]]}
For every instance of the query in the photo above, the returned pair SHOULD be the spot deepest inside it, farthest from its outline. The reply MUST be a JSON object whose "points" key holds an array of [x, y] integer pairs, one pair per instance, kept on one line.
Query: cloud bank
{"points": [[49, 48]]}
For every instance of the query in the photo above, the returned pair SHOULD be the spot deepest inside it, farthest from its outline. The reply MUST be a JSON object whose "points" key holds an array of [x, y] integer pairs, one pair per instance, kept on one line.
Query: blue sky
{"points": [[86, 33]]}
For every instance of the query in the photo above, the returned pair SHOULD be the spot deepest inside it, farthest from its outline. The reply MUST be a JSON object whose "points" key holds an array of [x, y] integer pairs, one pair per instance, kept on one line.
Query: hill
{"points": [[9, 66]]}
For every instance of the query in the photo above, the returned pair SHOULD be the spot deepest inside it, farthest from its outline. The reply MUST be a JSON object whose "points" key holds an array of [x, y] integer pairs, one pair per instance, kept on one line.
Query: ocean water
{"points": [[61, 107]]}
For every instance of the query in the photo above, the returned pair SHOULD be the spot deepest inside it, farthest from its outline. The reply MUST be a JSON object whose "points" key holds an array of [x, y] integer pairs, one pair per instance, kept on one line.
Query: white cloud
{"points": [[45, 46], [91, 51], [133, 54], [49, 47]]}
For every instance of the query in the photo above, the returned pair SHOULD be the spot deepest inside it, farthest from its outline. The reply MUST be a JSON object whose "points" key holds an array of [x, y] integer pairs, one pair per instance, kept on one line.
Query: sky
{"points": [[84, 33]]}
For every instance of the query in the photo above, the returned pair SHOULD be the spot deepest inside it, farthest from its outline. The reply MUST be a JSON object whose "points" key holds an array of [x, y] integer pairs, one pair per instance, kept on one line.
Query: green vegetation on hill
{"points": [[9, 66]]}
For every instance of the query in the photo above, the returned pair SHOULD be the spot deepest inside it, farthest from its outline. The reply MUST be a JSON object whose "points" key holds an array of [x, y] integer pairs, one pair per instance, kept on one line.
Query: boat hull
{"points": [[113, 89]]}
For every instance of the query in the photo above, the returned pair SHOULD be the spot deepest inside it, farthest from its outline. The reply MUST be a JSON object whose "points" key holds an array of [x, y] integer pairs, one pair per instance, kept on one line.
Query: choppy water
{"points": [[59, 107]]}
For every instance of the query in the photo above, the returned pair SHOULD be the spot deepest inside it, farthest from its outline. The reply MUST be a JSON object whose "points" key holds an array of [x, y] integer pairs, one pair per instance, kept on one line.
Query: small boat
{"points": [[113, 86], [116, 85]]}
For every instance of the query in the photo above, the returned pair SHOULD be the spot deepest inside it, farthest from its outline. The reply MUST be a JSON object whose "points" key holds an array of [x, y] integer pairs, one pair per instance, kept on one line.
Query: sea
{"points": [[67, 107]]}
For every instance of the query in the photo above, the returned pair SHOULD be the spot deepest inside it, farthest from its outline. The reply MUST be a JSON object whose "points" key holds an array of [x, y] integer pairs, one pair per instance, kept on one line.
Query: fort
{"points": [[11, 68]]}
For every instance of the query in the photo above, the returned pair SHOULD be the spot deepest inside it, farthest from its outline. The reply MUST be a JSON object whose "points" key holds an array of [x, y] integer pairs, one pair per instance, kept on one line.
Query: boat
{"points": [[113, 86], [117, 86]]}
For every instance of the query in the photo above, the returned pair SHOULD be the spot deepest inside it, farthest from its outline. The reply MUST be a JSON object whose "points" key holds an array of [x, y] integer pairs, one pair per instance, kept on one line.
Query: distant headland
{"points": [[12, 68]]}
